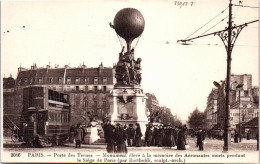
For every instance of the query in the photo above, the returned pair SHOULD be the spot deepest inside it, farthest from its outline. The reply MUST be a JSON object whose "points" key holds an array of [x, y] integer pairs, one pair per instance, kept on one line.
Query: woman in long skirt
{"points": [[138, 135], [181, 139]]}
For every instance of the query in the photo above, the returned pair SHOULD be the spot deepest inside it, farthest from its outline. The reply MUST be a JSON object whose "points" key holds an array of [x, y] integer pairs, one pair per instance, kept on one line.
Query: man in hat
{"points": [[72, 132], [120, 137], [161, 136], [200, 139], [104, 126], [185, 130], [181, 139], [78, 135], [110, 134], [130, 135], [155, 135], [175, 134], [168, 136], [138, 135], [148, 135]]}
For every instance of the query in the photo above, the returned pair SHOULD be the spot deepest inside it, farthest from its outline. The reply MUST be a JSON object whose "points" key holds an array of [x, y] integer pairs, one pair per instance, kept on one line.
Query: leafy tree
{"points": [[196, 118], [177, 121], [160, 113]]}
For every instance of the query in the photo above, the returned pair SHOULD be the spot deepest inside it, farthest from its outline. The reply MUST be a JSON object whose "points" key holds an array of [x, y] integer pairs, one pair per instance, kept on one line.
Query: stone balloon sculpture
{"points": [[129, 24]]}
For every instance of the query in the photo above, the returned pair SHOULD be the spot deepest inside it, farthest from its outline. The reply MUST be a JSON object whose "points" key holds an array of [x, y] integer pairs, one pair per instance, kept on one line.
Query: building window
{"points": [[104, 103], [95, 88], [95, 103], [50, 80], [31, 81], [94, 96], [246, 93], [104, 88], [86, 80], [40, 80], [60, 80], [68, 80], [77, 80], [77, 88], [25, 80], [104, 80], [19, 82], [95, 80]]}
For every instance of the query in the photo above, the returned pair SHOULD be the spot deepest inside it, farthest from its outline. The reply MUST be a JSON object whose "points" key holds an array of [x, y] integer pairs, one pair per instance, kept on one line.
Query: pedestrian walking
{"points": [[236, 137], [78, 135], [248, 135], [155, 136], [120, 136], [161, 136], [148, 135], [200, 139], [172, 137], [110, 135], [181, 139], [130, 135], [175, 134], [72, 132], [168, 136], [104, 126], [138, 135], [185, 130]]}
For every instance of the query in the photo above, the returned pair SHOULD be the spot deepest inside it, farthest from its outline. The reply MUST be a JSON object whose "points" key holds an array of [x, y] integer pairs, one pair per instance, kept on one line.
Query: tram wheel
{"points": [[14, 137]]}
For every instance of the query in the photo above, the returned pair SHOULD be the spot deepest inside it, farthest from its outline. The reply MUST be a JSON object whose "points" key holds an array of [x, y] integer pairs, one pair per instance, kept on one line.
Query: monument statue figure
{"points": [[128, 24], [127, 100], [128, 70]]}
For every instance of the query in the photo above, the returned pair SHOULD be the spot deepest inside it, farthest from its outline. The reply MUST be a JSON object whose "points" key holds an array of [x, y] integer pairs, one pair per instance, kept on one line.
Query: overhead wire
{"points": [[209, 44], [207, 23], [235, 13], [214, 25]]}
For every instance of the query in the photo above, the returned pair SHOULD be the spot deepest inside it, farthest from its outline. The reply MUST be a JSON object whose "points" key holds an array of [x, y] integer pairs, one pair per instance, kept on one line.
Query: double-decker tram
{"points": [[45, 115]]}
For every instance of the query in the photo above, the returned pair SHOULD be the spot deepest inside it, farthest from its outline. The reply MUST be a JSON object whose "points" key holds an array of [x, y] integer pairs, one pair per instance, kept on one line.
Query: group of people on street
{"points": [[166, 136], [116, 136], [119, 137]]}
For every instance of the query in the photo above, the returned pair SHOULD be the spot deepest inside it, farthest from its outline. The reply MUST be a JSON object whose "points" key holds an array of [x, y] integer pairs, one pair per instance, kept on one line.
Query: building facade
{"points": [[88, 89], [211, 110], [248, 107], [241, 112]]}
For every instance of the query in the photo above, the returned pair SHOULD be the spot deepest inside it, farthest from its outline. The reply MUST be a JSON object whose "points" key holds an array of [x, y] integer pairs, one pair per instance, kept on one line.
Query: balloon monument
{"points": [[127, 99], [129, 24]]}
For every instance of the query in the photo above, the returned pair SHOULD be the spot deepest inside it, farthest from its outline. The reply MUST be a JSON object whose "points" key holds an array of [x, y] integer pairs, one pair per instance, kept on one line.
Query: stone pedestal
{"points": [[92, 135], [127, 106]]}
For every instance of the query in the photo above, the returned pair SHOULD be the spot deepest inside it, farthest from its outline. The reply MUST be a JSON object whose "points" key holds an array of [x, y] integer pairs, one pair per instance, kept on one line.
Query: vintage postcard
{"points": [[110, 81]]}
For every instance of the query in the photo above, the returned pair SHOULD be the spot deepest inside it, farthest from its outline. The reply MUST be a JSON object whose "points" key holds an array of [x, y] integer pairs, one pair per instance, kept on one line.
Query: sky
{"points": [[181, 76]]}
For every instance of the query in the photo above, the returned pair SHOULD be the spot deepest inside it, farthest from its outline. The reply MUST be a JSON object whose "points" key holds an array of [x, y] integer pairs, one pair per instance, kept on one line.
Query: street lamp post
{"points": [[228, 38], [239, 131]]}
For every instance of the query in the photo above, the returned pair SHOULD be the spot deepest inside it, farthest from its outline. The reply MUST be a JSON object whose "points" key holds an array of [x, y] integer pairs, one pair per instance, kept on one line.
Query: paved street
{"points": [[243, 152], [211, 145]]}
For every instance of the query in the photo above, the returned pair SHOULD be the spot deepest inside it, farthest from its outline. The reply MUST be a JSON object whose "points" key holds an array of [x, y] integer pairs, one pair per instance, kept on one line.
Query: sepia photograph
{"points": [[140, 81]]}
